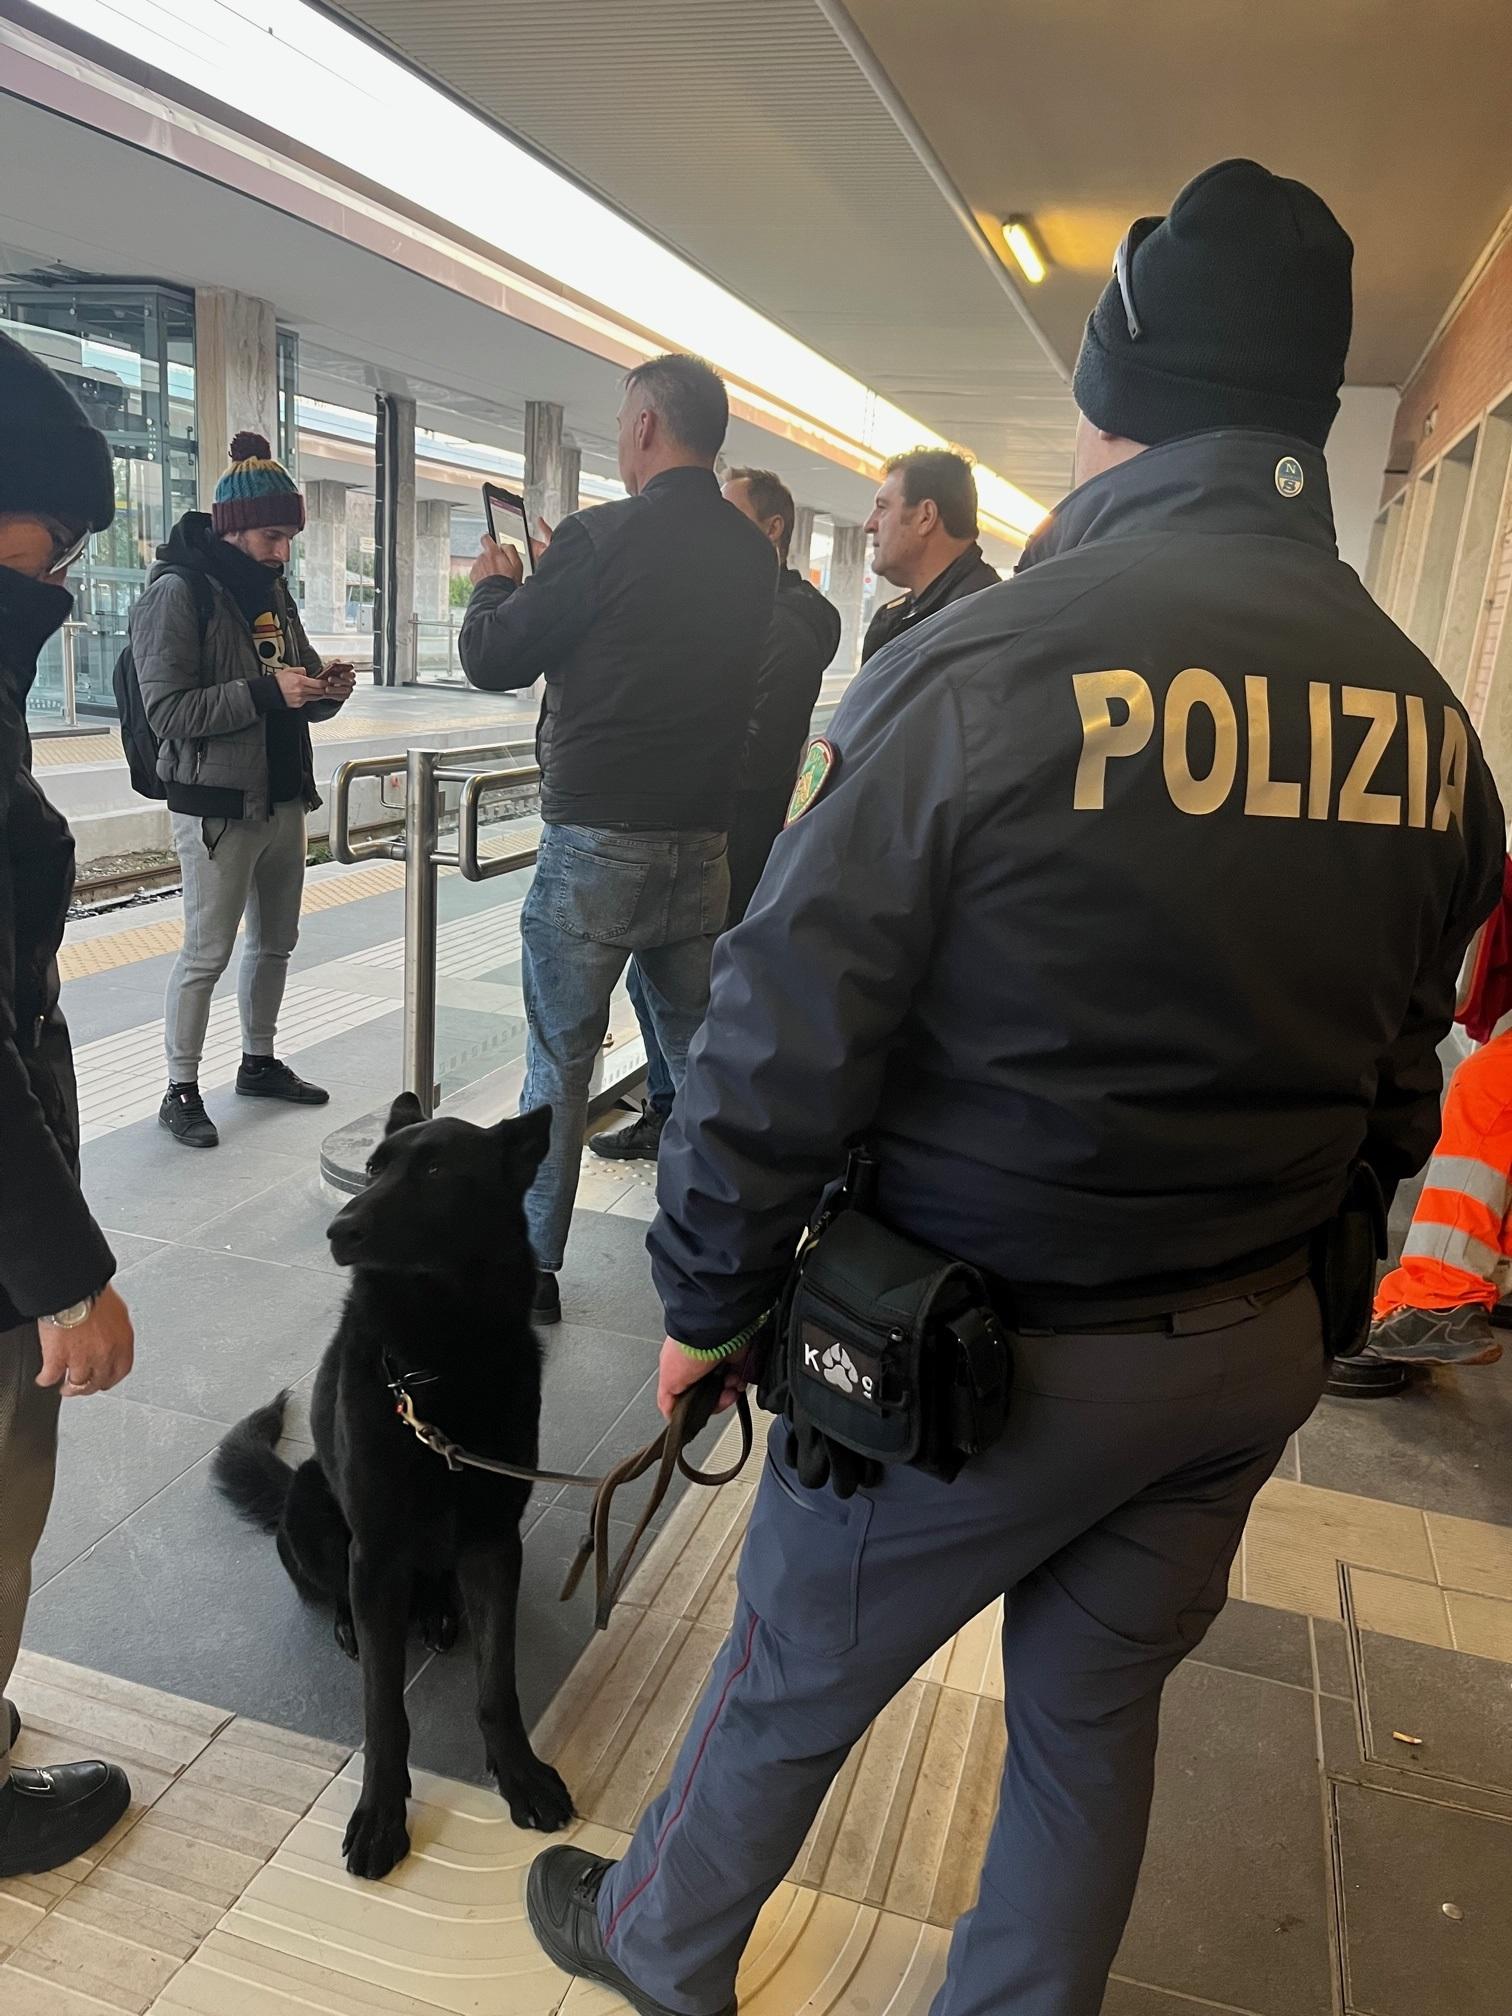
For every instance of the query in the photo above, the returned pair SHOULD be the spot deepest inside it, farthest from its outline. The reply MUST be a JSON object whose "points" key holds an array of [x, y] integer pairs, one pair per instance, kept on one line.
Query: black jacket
{"points": [[803, 638], [966, 575], [646, 617], [52, 1254], [1129, 916]]}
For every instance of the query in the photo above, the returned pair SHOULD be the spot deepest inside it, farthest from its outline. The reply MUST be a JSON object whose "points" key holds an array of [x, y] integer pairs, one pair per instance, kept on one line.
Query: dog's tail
{"points": [[248, 1470]]}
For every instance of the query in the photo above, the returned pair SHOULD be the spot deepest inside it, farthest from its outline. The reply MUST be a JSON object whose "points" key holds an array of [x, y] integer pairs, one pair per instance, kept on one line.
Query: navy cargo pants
{"points": [[1109, 1515]]}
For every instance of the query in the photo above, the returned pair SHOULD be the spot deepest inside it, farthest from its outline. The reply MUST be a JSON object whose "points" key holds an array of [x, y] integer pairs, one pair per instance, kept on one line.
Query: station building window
{"points": [[127, 354]]}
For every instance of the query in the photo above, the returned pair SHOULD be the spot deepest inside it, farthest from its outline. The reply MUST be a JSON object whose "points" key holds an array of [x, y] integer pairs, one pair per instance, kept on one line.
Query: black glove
{"points": [[819, 1461]]}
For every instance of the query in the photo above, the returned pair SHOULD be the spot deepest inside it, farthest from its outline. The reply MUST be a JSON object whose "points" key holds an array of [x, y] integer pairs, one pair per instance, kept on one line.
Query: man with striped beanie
{"points": [[230, 684]]}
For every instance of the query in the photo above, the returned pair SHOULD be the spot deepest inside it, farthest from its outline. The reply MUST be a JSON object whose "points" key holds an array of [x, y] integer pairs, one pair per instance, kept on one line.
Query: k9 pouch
{"points": [[891, 1350], [1343, 1266]]}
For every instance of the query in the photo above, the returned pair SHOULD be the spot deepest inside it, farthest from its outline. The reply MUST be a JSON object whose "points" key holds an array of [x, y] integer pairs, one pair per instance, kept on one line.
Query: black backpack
{"points": [[137, 738]]}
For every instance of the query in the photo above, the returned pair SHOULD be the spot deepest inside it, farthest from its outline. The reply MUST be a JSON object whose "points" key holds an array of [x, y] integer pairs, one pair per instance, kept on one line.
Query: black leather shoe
{"points": [[546, 1307], [183, 1114], [561, 1896], [48, 1817], [272, 1080], [639, 1142], [13, 1714]]}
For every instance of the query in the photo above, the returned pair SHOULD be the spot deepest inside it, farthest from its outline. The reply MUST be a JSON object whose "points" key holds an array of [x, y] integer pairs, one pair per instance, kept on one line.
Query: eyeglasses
{"points": [[1123, 269], [68, 545]]}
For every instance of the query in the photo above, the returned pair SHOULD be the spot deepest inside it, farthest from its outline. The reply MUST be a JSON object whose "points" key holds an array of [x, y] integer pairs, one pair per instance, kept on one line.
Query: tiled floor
{"points": [[1332, 1828], [1361, 1774]]}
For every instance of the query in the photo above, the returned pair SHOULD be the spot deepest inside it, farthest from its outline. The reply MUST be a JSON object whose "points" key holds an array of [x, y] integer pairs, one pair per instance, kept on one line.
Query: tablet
{"points": [[505, 512]]}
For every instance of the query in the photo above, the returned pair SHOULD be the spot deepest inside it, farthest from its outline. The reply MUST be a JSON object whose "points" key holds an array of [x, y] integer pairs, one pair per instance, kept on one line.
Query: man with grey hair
{"points": [[646, 619]]}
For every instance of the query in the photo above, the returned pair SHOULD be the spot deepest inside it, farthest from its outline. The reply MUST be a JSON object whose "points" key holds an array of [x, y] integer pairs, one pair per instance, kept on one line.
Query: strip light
{"points": [[1020, 240], [328, 89]]}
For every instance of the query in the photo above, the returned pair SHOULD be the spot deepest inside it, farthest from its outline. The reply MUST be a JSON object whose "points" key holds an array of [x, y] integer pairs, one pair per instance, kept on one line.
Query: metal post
{"points": [[70, 673], [421, 826]]}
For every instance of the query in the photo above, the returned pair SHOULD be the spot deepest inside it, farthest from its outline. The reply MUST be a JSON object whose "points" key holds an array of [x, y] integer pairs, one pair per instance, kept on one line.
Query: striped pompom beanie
{"points": [[256, 490]]}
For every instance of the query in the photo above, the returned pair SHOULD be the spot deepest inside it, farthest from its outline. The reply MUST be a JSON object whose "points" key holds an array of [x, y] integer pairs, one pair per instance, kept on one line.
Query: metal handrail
{"points": [[427, 772], [473, 867], [343, 777]]}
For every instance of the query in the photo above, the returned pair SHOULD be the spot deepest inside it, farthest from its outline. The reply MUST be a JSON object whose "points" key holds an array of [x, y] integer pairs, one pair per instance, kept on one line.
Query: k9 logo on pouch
{"points": [[843, 1367]]}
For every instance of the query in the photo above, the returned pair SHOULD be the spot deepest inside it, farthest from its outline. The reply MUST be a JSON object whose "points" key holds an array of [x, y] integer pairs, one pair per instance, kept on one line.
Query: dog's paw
{"points": [[376, 1839], [534, 1794], [346, 1633], [439, 1627]]}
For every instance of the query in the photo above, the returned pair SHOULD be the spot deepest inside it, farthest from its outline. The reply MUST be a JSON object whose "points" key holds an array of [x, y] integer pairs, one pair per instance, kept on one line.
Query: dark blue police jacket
{"points": [[1129, 915]]}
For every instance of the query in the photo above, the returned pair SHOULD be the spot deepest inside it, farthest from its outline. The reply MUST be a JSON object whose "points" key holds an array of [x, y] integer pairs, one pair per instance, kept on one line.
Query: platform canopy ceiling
{"points": [[827, 164]]}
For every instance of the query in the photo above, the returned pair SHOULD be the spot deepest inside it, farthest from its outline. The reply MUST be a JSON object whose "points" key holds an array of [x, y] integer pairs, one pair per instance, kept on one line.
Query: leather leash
{"points": [[668, 1452]]}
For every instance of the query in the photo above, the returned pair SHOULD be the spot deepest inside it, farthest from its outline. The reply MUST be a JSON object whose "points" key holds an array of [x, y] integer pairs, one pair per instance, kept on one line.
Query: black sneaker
{"points": [[547, 1304], [639, 1142], [183, 1114], [48, 1817], [561, 1896], [266, 1078], [1461, 1336]]}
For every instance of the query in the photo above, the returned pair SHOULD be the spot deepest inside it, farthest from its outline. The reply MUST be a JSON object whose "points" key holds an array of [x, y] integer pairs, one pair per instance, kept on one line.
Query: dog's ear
{"points": [[525, 1141], [406, 1111]]}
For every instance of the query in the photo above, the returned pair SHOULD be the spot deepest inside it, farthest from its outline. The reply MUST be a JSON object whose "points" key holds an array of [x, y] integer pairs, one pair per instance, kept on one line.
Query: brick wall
{"points": [[1468, 368]]}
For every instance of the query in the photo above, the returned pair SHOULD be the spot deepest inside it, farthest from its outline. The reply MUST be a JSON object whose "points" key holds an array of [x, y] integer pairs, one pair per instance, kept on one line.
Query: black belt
{"points": [[1218, 1307]]}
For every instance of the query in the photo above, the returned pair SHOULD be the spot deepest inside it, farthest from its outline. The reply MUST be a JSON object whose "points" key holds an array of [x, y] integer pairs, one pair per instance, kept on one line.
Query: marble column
{"points": [[235, 376], [432, 559], [544, 446], [847, 585], [323, 558], [572, 477], [803, 540]]}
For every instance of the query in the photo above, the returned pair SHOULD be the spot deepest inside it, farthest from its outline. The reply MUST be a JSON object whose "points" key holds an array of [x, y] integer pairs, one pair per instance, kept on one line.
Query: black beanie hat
{"points": [[52, 462], [1242, 298]]}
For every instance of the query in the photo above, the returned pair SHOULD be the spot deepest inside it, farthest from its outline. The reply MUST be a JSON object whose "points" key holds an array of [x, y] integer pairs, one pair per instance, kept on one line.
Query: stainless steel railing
{"points": [[427, 774]]}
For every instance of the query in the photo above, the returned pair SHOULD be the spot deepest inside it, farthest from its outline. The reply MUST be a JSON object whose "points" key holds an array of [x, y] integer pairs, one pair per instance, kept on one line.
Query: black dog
{"points": [[375, 1522]]}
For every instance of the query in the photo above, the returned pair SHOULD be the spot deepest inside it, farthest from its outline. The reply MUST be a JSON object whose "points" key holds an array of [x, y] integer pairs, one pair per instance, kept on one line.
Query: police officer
{"points": [[1124, 923], [923, 530]]}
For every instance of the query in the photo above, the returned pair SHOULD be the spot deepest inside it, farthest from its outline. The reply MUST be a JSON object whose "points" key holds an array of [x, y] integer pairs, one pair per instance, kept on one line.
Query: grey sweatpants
{"points": [[28, 1459], [234, 868], [1108, 1515]]}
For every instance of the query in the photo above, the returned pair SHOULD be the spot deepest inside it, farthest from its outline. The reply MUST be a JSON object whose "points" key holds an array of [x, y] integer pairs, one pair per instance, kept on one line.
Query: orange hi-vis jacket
{"points": [[1459, 1249]]}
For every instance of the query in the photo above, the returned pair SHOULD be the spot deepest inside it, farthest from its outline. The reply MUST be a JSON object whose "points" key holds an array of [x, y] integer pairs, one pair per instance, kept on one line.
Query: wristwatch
{"points": [[74, 1317]]}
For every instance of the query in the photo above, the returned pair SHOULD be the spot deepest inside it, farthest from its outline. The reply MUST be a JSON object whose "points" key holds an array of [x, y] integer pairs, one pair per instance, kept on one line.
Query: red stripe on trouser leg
{"points": [[676, 1814]]}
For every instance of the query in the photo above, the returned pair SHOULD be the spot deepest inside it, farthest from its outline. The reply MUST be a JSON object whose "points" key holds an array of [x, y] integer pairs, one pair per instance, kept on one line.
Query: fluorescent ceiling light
{"points": [[1019, 239], [326, 88]]}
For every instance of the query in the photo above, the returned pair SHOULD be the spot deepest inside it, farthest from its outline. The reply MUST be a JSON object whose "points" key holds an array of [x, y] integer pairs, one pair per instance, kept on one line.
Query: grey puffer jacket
{"points": [[208, 700]]}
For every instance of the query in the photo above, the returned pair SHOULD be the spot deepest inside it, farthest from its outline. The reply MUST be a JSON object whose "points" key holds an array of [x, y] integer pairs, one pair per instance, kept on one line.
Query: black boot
{"points": [[183, 1114], [547, 1305], [266, 1078], [638, 1142], [561, 1896], [48, 1817]]}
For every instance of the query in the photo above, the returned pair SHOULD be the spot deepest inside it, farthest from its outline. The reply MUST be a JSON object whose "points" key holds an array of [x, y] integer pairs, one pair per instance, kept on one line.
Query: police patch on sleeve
{"points": [[812, 778]]}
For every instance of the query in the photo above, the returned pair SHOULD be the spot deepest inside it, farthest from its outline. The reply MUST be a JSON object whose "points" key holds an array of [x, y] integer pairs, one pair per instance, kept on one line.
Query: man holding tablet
{"points": [[646, 619]]}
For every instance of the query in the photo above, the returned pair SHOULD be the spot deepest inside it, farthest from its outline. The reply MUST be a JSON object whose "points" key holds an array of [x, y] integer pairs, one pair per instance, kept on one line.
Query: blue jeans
{"points": [[599, 898], [660, 1091]]}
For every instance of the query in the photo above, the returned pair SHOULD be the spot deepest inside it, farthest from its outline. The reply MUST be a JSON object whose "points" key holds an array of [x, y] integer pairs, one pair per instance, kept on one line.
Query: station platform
{"points": [[1333, 1821]]}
